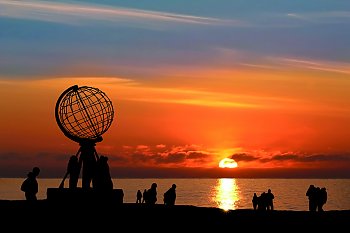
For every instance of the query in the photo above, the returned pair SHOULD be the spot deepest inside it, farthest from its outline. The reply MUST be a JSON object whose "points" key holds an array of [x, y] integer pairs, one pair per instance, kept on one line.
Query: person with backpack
{"points": [[30, 185]]}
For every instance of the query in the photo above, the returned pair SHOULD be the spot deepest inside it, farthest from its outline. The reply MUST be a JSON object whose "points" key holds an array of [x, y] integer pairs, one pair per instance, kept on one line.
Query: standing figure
{"points": [[312, 195], [262, 202], [144, 196], [322, 199], [73, 170], [152, 194], [102, 180], [138, 196], [269, 200], [30, 185], [170, 196], [88, 159], [255, 201]]}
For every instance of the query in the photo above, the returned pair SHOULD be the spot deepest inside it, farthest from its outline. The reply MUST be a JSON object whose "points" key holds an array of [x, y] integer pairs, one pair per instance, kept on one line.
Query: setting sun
{"points": [[228, 163]]}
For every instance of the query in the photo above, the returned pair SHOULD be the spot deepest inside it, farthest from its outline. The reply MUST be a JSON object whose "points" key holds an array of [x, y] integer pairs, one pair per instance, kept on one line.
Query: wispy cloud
{"points": [[200, 102], [328, 66], [74, 13], [326, 16]]}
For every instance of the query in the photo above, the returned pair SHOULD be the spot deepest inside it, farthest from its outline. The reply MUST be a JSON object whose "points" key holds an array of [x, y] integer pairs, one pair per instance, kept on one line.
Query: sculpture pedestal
{"points": [[84, 195]]}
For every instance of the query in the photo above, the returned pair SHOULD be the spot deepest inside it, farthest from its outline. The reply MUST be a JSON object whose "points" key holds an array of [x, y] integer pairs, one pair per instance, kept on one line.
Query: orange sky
{"points": [[191, 83], [262, 118]]}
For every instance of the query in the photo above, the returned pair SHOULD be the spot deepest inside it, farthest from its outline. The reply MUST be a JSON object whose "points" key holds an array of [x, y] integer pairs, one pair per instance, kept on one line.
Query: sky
{"points": [[263, 82]]}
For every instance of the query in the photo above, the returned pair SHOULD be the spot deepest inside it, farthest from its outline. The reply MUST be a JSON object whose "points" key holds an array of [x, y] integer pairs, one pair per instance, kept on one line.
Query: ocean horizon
{"points": [[224, 193]]}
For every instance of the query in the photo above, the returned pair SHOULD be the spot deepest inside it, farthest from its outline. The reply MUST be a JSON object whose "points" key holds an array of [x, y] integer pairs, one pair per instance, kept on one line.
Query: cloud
{"points": [[187, 155], [312, 158], [265, 157], [328, 66], [23, 157], [11, 156], [197, 154], [243, 157], [74, 13], [170, 158], [142, 147], [322, 17]]}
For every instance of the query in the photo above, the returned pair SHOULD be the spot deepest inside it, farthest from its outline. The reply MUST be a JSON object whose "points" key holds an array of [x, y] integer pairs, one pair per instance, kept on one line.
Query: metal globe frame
{"points": [[84, 121], [87, 123]]}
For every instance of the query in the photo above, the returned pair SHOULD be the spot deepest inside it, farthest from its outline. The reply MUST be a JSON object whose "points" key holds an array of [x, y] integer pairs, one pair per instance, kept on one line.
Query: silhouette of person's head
{"points": [[269, 191], [30, 175], [174, 186], [154, 185], [35, 171]]}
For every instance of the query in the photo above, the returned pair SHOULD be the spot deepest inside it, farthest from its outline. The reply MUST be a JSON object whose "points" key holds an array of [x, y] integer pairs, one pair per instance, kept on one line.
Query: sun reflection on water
{"points": [[227, 194]]}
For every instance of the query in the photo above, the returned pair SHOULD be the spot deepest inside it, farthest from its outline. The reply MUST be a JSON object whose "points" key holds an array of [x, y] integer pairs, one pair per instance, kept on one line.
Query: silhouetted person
{"points": [[138, 196], [322, 199], [170, 196], [262, 202], [73, 170], [255, 201], [269, 200], [102, 180], [311, 193], [144, 196], [30, 185], [87, 160], [151, 197]]}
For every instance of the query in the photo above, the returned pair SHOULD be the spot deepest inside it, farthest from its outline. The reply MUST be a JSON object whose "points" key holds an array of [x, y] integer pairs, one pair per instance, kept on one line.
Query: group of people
{"points": [[317, 197], [100, 175], [264, 201], [149, 196]]}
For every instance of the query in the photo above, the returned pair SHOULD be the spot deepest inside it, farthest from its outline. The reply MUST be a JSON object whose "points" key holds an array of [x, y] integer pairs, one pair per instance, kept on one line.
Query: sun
{"points": [[228, 163]]}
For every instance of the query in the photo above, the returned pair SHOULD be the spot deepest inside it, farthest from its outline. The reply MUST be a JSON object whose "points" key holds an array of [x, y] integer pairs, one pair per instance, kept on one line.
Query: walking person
{"points": [[170, 196], [30, 185], [152, 194]]}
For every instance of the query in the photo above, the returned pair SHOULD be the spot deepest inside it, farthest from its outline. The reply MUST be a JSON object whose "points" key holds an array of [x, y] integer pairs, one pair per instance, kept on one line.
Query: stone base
{"points": [[84, 195]]}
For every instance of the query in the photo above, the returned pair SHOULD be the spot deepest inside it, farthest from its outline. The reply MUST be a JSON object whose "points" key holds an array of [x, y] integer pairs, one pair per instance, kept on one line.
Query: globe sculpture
{"points": [[83, 114]]}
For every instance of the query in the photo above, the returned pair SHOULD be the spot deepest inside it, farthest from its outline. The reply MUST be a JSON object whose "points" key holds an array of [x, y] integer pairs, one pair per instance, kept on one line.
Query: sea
{"points": [[223, 193]]}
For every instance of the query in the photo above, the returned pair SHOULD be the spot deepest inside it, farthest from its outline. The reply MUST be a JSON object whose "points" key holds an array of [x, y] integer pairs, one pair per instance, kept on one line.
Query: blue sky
{"points": [[133, 38]]}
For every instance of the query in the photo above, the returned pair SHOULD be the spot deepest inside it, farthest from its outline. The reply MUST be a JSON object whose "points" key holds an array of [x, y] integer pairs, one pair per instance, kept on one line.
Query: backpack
{"points": [[24, 186]]}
